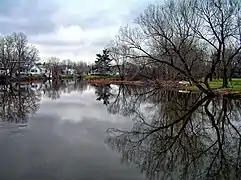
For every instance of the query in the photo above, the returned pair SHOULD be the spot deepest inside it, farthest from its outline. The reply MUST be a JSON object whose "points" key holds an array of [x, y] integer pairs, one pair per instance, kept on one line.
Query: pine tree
{"points": [[103, 93], [102, 64]]}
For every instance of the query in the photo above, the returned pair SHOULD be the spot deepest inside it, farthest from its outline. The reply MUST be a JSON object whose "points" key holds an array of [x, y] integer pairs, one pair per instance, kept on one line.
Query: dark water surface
{"points": [[64, 138], [71, 130]]}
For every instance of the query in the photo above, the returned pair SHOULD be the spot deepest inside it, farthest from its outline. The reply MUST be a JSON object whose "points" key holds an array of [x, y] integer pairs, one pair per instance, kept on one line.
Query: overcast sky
{"points": [[69, 29]]}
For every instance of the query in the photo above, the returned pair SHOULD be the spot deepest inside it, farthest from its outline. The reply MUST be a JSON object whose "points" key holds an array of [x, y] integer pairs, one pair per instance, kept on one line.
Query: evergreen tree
{"points": [[102, 64], [103, 93]]}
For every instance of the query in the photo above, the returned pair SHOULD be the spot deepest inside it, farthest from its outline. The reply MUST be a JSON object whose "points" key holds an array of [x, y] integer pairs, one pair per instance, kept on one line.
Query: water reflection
{"points": [[64, 139], [54, 89], [103, 93], [20, 101], [17, 103], [177, 135]]}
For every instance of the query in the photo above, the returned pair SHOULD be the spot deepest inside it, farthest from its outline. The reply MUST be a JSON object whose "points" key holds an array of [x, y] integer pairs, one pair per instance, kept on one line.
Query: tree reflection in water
{"points": [[103, 93], [178, 136], [54, 89], [17, 103]]}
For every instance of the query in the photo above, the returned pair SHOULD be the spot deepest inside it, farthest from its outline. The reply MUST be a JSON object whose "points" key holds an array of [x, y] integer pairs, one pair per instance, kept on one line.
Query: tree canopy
{"points": [[102, 64]]}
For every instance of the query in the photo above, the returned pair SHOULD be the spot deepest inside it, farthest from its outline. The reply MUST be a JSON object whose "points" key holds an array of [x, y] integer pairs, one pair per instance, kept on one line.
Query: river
{"points": [[72, 130]]}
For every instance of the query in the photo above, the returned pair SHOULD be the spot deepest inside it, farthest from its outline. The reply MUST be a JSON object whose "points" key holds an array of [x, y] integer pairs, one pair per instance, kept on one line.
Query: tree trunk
{"points": [[225, 78], [120, 74], [123, 72], [211, 78]]}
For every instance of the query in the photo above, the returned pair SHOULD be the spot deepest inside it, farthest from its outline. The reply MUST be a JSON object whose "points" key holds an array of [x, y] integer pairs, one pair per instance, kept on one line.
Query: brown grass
{"points": [[114, 81]]}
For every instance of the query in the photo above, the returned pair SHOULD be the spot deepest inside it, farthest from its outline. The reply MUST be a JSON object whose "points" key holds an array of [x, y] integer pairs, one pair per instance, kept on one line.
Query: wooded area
{"points": [[183, 39]]}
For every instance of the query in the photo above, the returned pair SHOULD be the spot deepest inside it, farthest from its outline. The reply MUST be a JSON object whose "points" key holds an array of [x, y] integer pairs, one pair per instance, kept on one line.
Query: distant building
{"points": [[35, 70], [69, 71], [45, 71]]}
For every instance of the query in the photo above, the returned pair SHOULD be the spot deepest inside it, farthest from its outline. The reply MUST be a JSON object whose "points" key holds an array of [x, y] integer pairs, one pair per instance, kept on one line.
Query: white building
{"points": [[69, 71], [35, 70]]}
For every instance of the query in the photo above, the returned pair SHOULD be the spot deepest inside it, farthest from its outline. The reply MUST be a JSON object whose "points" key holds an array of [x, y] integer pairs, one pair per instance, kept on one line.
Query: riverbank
{"points": [[114, 81], [234, 88], [117, 81], [234, 85]]}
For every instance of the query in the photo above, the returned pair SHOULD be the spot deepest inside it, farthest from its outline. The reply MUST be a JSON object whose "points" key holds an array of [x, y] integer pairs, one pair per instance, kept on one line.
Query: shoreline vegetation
{"points": [[234, 86], [233, 90]]}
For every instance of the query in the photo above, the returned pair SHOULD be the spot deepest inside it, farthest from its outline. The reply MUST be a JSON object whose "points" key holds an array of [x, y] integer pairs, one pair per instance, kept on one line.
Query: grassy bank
{"points": [[233, 86], [93, 77], [114, 81], [109, 79]]}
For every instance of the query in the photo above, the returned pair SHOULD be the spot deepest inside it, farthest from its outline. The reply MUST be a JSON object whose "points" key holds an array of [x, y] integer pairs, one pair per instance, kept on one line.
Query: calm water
{"points": [[71, 130]]}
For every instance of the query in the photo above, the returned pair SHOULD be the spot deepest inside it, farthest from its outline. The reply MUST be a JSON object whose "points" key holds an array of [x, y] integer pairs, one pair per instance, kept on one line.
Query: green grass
{"points": [[235, 85], [66, 76], [98, 76]]}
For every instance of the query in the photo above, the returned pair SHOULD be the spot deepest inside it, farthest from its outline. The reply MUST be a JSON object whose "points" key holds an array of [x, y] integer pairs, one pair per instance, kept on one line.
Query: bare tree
{"points": [[81, 67], [16, 54], [53, 66], [163, 37], [181, 37], [7, 55], [119, 55], [220, 29]]}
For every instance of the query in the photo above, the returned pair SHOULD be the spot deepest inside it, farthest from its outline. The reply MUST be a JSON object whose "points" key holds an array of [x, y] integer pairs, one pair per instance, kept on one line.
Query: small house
{"points": [[35, 70], [69, 71]]}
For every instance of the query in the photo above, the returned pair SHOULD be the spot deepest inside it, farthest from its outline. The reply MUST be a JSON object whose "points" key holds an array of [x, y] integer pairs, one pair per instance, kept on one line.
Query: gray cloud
{"points": [[98, 20], [75, 28], [102, 18], [28, 16], [56, 42], [80, 51]]}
